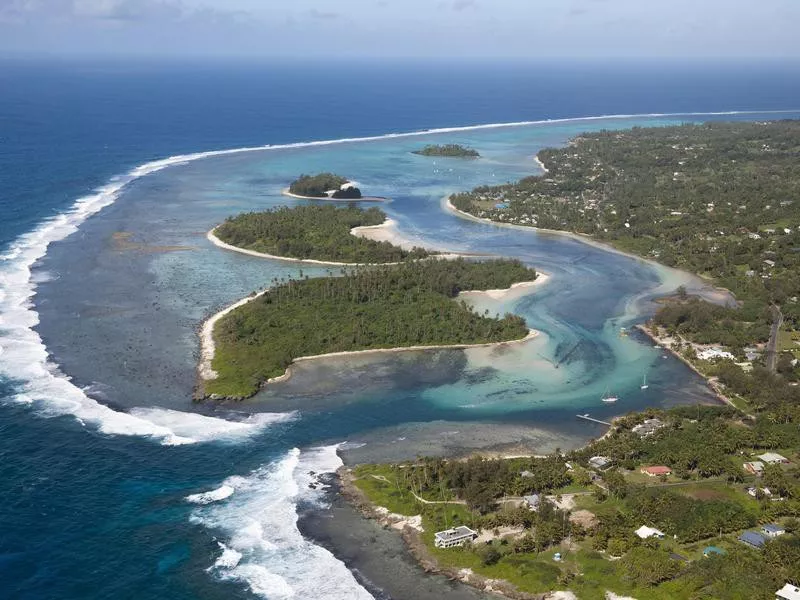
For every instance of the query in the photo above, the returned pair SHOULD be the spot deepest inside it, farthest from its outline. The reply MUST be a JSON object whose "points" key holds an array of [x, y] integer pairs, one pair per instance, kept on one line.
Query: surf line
{"points": [[25, 357]]}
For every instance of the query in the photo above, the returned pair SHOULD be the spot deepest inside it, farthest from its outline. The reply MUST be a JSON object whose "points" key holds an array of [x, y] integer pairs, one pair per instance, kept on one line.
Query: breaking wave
{"points": [[261, 546]]}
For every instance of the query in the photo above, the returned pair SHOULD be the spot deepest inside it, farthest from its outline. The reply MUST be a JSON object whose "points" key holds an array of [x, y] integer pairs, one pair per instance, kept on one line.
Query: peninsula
{"points": [[718, 199], [324, 185], [448, 151], [320, 233], [410, 305]]}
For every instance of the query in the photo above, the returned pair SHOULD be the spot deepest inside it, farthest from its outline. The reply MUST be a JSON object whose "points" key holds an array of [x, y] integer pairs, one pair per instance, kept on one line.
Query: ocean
{"points": [[113, 483]]}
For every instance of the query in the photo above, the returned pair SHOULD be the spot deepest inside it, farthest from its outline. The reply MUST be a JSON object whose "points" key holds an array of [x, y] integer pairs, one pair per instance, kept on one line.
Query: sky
{"points": [[525, 29]]}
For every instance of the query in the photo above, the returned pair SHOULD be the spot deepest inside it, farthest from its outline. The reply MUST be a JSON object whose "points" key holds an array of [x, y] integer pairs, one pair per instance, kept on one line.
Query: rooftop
{"points": [[645, 532], [455, 533], [773, 457], [788, 592], [753, 538], [773, 528]]}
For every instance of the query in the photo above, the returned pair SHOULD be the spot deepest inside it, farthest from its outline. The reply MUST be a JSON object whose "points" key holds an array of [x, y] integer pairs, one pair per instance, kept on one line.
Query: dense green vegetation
{"points": [[314, 232], [318, 186], [448, 150], [380, 307], [719, 199], [703, 503]]}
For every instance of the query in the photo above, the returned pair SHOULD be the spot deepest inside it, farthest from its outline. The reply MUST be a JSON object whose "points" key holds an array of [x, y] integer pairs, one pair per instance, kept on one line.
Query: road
{"points": [[772, 345]]}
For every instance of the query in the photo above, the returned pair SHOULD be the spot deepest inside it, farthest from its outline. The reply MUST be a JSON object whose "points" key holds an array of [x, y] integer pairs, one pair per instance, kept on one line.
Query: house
{"points": [[712, 353], [772, 530], [648, 427], [753, 539], [600, 462], [711, 550], [788, 592], [457, 536], [533, 501], [645, 532], [655, 471], [753, 491], [773, 458], [756, 467], [769, 263], [525, 474]]}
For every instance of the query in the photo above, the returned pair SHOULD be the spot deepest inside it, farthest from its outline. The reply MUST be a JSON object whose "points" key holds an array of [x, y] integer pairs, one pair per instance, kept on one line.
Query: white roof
{"points": [[789, 592], [645, 532], [771, 457]]}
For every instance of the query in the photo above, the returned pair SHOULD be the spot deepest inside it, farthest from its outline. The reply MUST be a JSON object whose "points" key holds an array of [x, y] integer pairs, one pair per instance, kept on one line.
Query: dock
{"points": [[593, 420]]}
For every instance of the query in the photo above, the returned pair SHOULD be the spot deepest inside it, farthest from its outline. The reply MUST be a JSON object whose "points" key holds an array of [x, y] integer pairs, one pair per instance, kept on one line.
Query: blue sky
{"points": [[402, 28]]}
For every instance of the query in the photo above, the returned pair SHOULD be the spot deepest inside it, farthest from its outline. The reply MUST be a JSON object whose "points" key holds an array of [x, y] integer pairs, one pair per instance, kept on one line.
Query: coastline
{"points": [[207, 348], [713, 385], [286, 192], [386, 232]]}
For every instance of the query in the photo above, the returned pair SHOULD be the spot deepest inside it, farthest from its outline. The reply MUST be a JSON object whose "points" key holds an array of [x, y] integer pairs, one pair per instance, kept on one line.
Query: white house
{"points": [[773, 458], [645, 532], [772, 530], [788, 592], [457, 536], [712, 353]]}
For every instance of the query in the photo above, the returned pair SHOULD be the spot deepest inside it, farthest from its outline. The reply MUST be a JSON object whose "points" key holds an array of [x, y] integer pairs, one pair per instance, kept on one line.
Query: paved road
{"points": [[772, 345]]}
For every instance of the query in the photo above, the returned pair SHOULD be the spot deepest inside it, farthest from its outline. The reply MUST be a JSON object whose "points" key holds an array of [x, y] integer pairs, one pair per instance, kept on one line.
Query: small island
{"points": [[321, 233], [324, 185], [406, 306], [447, 151]]}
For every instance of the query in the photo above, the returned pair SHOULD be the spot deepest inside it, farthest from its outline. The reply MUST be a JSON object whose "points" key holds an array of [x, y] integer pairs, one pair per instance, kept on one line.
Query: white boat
{"points": [[608, 398], [644, 385]]}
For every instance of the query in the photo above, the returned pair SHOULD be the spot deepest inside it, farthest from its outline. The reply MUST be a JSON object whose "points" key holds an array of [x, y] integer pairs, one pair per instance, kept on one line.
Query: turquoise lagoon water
{"points": [[119, 322], [152, 291]]}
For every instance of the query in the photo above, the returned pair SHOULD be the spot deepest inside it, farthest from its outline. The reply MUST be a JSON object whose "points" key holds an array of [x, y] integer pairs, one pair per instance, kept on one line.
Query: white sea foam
{"points": [[201, 428], [259, 523], [222, 492], [25, 358]]}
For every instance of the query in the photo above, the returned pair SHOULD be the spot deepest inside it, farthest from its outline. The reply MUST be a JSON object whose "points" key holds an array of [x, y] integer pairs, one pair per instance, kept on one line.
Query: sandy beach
{"points": [[385, 232], [204, 369], [286, 192], [517, 290]]}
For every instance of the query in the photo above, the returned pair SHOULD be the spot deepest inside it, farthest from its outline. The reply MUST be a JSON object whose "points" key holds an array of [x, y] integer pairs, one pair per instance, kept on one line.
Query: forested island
{"points": [[324, 185], [405, 305], [579, 521], [447, 150], [719, 199], [314, 232]]}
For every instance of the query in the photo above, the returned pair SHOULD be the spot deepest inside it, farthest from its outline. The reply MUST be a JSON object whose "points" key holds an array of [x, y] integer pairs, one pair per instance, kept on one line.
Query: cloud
{"points": [[128, 10], [325, 16], [460, 5]]}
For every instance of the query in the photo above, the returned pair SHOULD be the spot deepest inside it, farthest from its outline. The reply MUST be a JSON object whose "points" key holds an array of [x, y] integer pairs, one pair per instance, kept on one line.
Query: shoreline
{"points": [[206, 372], [714, 386], [286, 192], [356, 231]]}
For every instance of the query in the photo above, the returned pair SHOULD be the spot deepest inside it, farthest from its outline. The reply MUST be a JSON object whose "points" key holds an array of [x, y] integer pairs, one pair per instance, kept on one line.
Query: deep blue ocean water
{"points": [[85, 513]]}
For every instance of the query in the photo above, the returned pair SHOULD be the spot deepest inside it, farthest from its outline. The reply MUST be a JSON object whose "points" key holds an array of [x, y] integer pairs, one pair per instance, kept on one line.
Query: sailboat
{"points": [[608, 398], [644, 385]]}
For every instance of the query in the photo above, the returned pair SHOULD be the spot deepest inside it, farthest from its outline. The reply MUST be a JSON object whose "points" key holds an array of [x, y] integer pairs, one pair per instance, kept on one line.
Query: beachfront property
{"points": [[788, 592], [648, 427], [756, 467], [600, 463], [772, 530], [774, 458], [753, 539], [646, 532], [713, 353], [457, 536], [655, 471]]}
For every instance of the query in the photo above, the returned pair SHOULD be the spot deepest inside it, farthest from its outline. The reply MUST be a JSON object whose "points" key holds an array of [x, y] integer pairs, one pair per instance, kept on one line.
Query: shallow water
{"points": [[119, 316]]}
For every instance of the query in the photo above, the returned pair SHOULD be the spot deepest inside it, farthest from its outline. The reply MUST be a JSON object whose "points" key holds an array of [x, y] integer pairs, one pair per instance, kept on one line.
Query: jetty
{"points": [[593, 420]]}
